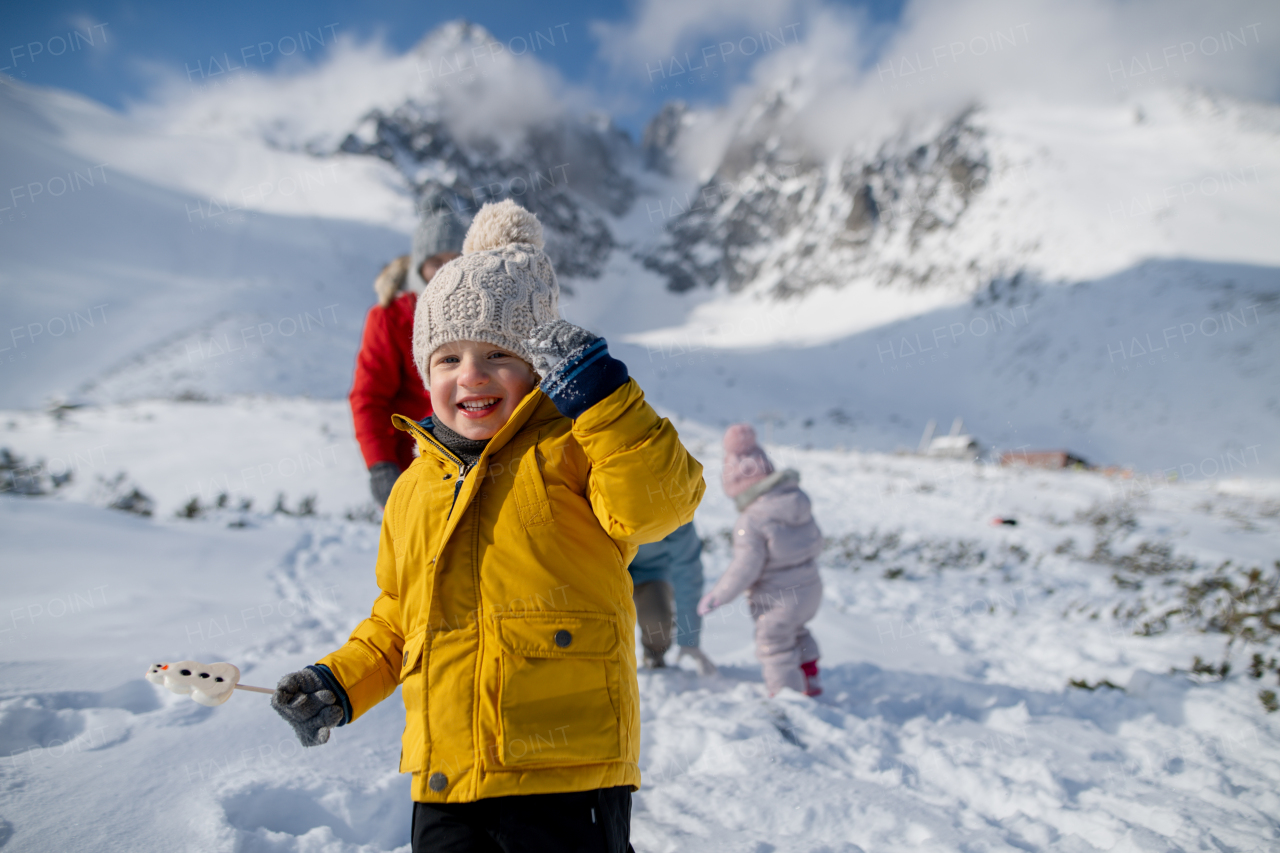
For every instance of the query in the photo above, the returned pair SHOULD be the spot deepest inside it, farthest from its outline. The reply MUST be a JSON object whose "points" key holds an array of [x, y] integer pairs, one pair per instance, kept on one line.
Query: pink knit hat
{"points": [[745, 462]]}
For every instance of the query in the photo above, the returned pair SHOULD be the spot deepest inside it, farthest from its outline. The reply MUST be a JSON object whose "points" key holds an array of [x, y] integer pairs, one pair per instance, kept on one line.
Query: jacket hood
{"points": [[774, 481], [782, 500], [788, 504]]}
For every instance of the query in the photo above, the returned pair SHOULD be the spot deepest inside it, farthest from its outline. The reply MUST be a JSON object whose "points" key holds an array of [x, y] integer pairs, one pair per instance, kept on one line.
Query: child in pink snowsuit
{"points": [[775, 544]]}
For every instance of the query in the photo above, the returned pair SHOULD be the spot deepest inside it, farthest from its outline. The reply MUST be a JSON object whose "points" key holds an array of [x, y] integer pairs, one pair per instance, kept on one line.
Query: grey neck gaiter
{"points": [[466, 449]]}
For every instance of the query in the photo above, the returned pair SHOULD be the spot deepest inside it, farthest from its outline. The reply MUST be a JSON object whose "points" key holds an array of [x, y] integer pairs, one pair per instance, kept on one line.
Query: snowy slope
{"points": [[947, 645], [1018, 266], [1169, 363], [176, 265]]}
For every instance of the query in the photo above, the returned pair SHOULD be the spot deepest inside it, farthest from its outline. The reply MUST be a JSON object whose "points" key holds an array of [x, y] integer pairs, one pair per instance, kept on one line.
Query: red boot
{"points": [[812, 684]]}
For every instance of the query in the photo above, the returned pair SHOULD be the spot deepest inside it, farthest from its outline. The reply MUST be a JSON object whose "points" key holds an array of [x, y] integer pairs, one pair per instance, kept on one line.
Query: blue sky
{"points": [[112, 51]]}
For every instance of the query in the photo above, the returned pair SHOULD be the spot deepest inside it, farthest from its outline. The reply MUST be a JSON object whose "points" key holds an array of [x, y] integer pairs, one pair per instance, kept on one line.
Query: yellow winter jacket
{"points": [[506, 607]]}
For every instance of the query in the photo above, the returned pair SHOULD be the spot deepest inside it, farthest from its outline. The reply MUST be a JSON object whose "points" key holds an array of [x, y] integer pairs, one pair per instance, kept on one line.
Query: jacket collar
{"points": [[787, 476], [534, 410]]}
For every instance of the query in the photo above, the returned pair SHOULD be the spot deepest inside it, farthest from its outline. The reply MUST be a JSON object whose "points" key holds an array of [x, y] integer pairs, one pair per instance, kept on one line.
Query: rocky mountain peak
{"points": [[661, 135], [572, 171], [776, 217]]}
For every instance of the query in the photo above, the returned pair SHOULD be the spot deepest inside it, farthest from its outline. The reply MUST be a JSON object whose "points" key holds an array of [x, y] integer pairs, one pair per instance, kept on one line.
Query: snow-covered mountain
{"points": [[573, 174], [572, 171], [958, 201], [773, 213], [1019, 264]]}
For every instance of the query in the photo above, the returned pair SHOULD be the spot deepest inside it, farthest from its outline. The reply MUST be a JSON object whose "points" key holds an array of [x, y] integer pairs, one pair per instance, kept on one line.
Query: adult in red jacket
{"points": [[386, 380]]}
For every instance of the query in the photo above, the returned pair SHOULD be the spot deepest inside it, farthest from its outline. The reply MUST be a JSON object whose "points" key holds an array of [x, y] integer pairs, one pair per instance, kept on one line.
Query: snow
{"points": [[946, 723], [1084, 367], [139, 284], [1191, 179], [192, 311], [251, 449]]}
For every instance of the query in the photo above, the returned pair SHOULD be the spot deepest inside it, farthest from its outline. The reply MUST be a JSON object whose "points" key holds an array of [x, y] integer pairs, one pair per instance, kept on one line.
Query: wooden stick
{"points": [[254, 689]]}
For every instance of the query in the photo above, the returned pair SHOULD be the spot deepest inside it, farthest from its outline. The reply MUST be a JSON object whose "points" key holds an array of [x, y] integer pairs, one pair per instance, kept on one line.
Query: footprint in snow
{"points": [[71, 721], [378, 817]]}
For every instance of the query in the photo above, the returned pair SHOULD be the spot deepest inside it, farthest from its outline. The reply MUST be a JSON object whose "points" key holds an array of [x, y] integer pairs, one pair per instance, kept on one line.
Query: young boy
{"points": [[505, 610]]}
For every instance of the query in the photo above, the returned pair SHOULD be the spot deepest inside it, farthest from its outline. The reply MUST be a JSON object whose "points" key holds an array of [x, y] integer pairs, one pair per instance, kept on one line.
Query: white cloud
{"points": [[848, 79], [460, 70], [852, 84], [665, 28]]}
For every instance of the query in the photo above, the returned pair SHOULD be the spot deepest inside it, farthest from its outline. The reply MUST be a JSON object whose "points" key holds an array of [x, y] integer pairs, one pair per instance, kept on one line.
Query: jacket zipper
{"points": [[463, 468], [457, 487]]}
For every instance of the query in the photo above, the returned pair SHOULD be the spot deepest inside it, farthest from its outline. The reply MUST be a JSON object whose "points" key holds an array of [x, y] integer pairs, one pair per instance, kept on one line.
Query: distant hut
{"points": [[1048, 459], [955, 445]]}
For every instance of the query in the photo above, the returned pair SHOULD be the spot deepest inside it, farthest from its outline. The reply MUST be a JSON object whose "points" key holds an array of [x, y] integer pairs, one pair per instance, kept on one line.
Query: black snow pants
{"points": [[596, 821]]}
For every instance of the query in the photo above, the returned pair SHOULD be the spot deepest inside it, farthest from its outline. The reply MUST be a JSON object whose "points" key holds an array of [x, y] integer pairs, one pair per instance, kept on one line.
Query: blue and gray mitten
{"points": [[576, 368]]}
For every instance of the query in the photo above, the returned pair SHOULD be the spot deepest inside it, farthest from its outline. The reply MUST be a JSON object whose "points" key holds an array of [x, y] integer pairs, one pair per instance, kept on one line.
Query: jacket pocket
{"points": [[559, 693], [413, 690]]}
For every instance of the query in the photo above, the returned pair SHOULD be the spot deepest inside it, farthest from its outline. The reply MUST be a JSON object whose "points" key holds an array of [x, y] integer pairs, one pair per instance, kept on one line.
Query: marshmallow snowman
{"points": [[207, 683]]}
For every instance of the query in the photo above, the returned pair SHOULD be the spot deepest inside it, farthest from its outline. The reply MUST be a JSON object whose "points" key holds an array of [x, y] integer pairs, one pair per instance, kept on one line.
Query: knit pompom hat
{"points": [[745, 462], [497, 292]]}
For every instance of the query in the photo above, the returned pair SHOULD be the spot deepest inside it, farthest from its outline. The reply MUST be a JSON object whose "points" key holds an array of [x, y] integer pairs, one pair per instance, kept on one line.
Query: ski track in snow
{"points": [[946, 723]]}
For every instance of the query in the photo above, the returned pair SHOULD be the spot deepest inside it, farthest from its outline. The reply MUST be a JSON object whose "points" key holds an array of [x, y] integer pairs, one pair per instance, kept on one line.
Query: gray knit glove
{"points": [[308, 705], [550, 343], [382, 476]]}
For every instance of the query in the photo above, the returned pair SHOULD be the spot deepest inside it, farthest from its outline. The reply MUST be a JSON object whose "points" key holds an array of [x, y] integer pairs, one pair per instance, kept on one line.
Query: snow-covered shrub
{"points": [[904, 556], [23, 478], [122, 494]]}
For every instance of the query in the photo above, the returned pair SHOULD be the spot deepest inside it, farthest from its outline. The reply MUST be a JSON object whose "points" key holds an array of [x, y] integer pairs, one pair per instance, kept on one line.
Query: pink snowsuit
{"points": [[775, 545]]}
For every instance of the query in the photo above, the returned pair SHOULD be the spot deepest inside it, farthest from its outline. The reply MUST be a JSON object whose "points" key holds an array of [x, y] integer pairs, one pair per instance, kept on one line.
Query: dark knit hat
{"points": [[439, 230]]}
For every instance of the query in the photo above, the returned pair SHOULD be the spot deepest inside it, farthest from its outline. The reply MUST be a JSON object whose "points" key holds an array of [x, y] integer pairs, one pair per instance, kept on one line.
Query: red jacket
{"points": [[387, 383]]}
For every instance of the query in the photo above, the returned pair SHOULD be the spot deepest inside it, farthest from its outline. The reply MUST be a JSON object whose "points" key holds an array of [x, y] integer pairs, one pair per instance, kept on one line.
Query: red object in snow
{"points": [[387, 383], [812, 683], [997, 521]]}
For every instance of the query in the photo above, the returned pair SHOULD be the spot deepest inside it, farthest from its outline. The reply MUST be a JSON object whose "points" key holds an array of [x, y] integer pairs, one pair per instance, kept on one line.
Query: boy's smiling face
{"points": [[476, 386]]}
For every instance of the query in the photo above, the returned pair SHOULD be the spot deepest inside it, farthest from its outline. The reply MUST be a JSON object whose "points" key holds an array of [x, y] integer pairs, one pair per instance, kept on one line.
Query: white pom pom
{"points": [[501, 224]]}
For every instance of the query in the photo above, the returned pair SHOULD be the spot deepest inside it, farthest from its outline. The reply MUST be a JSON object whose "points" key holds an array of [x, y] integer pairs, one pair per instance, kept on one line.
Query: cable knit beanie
{"points": [[498, 291], [745, 462]]}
